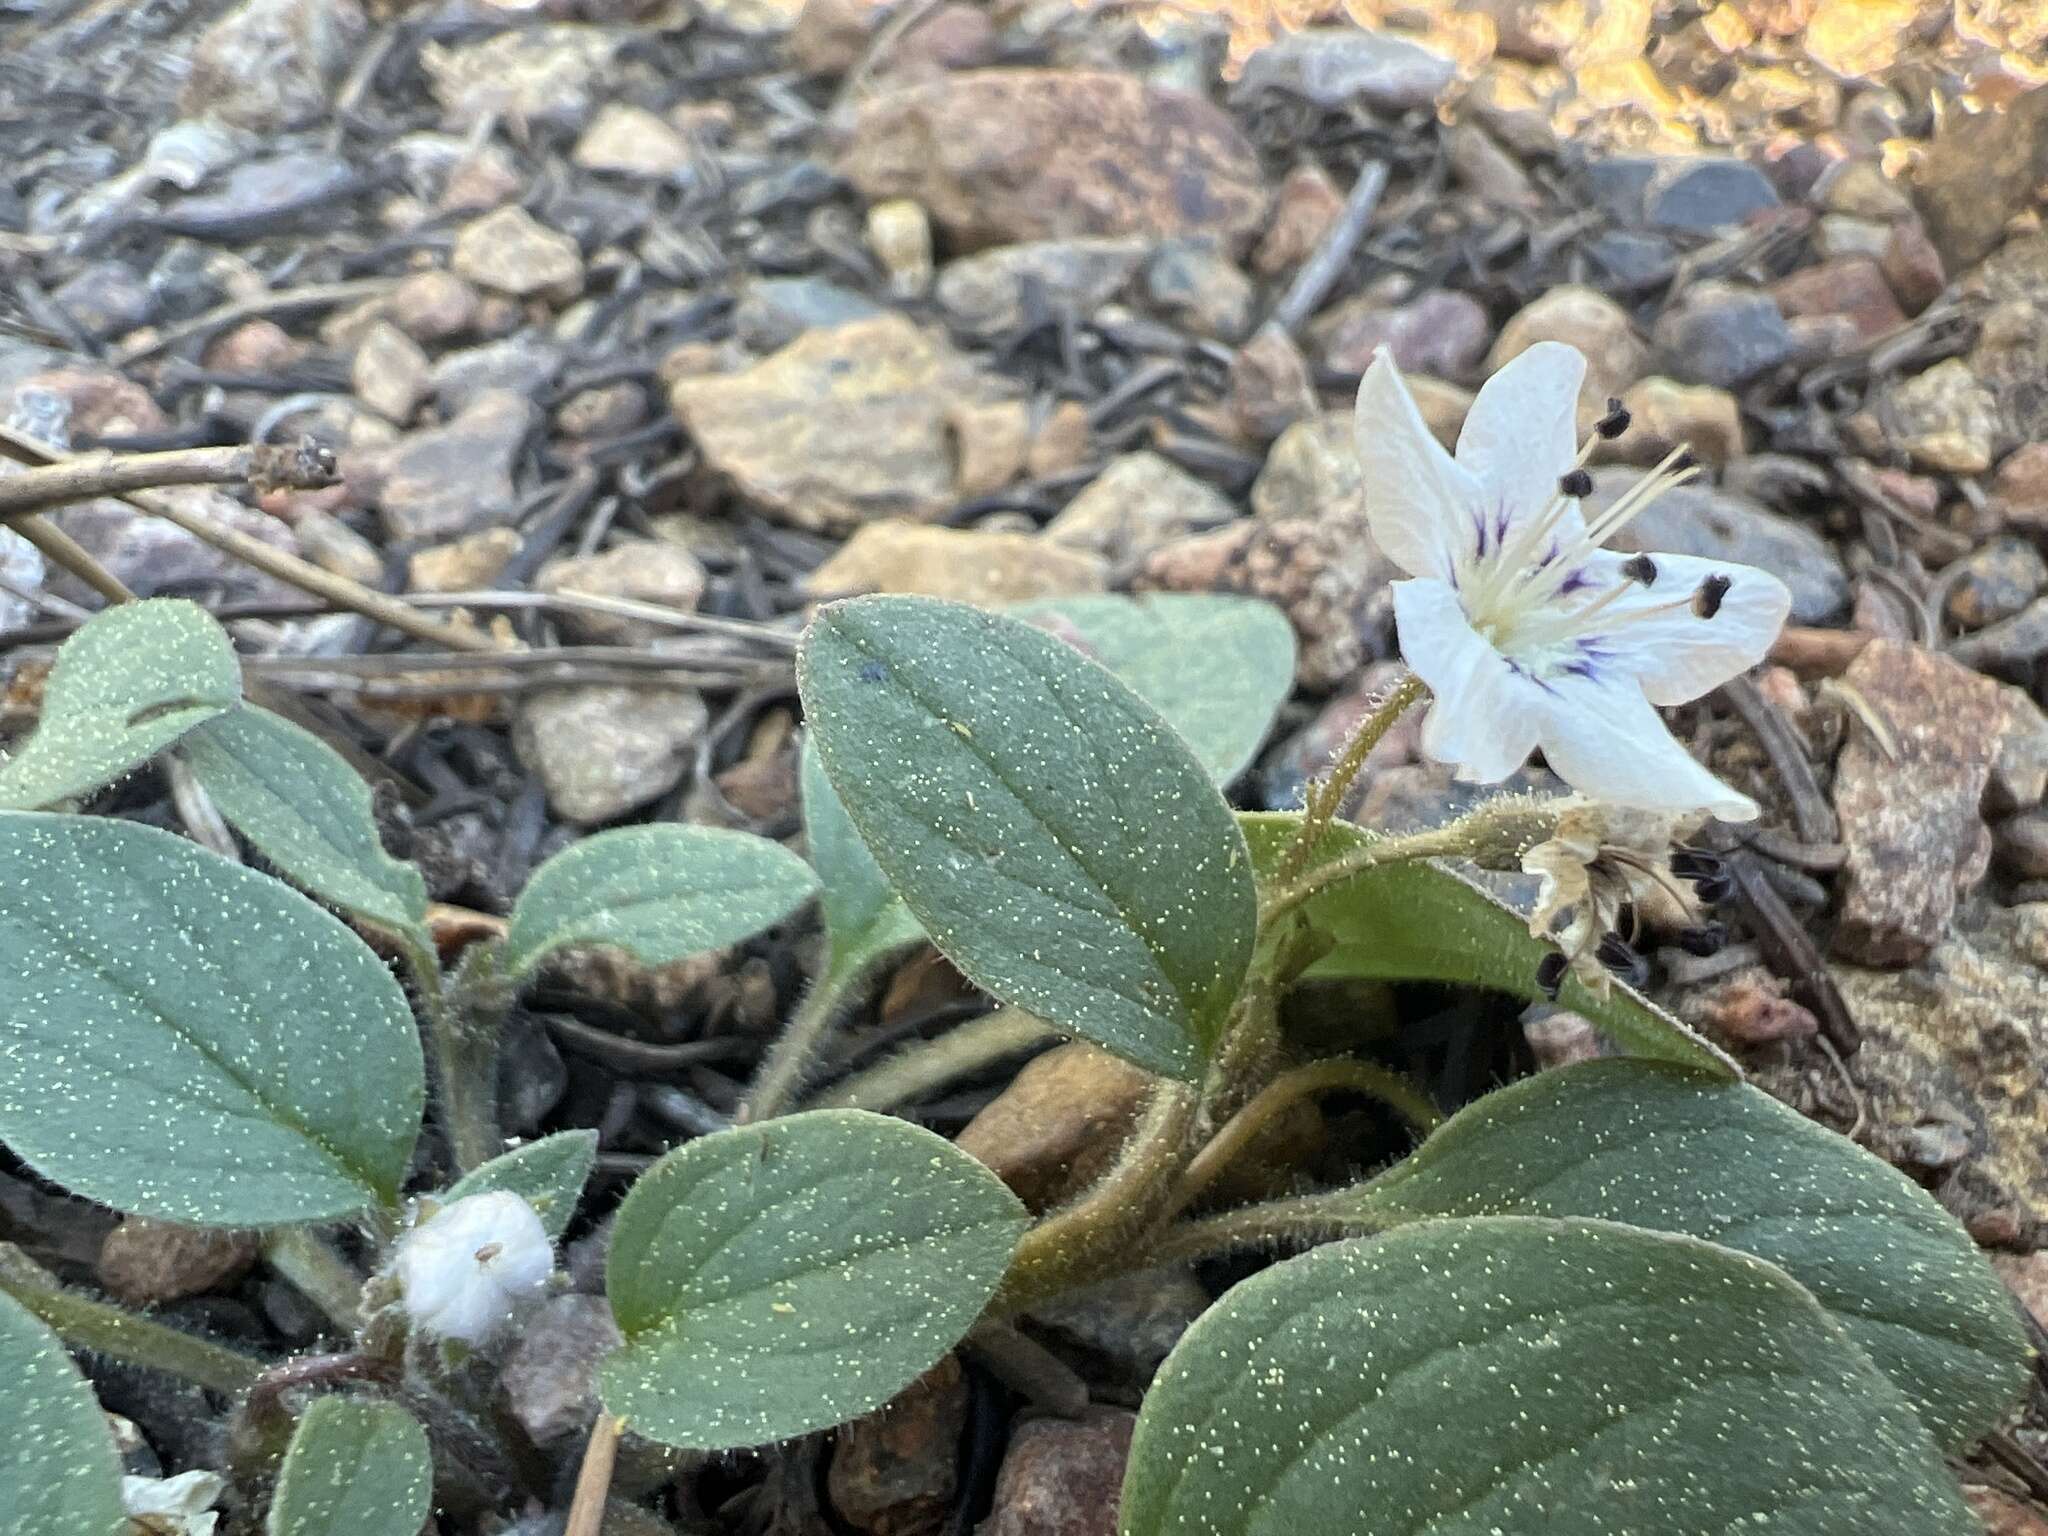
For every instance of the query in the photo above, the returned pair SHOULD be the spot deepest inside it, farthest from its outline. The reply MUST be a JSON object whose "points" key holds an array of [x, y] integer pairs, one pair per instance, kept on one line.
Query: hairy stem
{"points": [[318, 1271], [110, 1330], [963, 1049], [791, 1058], [1277, 1097], [1094, 1237], [1327, 793], [594, 1478], [462, 1042], [1307, 1219]]}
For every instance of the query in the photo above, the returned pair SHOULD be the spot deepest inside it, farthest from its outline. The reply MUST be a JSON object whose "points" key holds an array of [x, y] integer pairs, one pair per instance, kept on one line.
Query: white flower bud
{"points": [[469, 1268], [173, 1506]]}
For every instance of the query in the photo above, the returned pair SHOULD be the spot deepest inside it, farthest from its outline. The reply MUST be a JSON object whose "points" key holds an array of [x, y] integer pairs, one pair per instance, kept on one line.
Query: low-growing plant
{"points": [[1634, 1294]]}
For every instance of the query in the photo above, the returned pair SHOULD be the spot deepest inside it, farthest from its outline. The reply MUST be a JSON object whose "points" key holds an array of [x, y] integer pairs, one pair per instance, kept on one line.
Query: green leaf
{"points": [[549, 1174], [660, 892], [1512, 1376], [1419, 921], [1217, 668], [57, 1460], [185, 1038], [864, 918], [308, 812], [791, 1275], [1675, 1150], [355, 1467], [1057, 840], [130, 682]]}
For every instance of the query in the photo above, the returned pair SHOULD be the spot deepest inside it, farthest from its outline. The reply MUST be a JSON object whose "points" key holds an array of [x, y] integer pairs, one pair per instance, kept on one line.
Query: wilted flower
{"points": [[472, 1265], [1526, 630], [173, 1506]]}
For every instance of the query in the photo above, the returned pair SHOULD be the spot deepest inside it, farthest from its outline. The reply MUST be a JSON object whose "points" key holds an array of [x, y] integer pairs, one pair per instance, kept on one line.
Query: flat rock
{"points": [[531, 76], [550, 1378], [895, 1471], [1665, 414], [1910, 853], [1340, 66], [1194, 281], [433, 305], [840, 428], [1994, 582], [1722, 334], [1059, 1124], [1063, 1477], [1587, 319], [150, 555], [1704, 195], [1122, 1330], [1020, 154], [145, 1262], [1717, 524], [603, 751], [1853, 286], [523, 364], [774, 311], [467, 564], [624, 140], [994, 290], [1138, 503], [970, 565], [509, 251], [448, 480], [389, 372], [268, 64], [1441, 332], [638, 570]]}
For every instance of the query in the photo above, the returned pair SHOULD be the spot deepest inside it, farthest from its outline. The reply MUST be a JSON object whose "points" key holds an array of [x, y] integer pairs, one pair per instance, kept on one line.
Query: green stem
{"points": [[928, 1064], [790, 1059], [462, 1042], [1327, 794], [1307, 1219], [1095, 1236], [318, 1271], [109, 1330], [1282, 1094]]}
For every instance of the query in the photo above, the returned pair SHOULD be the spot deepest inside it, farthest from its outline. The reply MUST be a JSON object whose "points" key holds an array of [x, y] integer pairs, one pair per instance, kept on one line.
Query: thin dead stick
{"points": [[315, 296], [594, 1479], [1319, 274], [59, 548], [88, 476], [614, 607], [339, 590]]}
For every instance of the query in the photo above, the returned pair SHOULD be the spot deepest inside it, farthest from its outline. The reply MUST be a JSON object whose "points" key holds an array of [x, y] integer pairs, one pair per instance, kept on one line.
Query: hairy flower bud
{"points": [[471, 1266]]}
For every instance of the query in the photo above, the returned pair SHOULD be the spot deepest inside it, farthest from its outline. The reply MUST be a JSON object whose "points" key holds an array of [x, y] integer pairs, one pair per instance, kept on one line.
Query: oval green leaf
{"points": [[185, 1038], [864, 917], [1681, 1151], [57, 1461], [1216, 667], [355, 1467], [548, 1174], [788, 1276], [1421, 921], [308, 812], [1058, 841], [661, 893], [1514, 1376], [130, 682]]}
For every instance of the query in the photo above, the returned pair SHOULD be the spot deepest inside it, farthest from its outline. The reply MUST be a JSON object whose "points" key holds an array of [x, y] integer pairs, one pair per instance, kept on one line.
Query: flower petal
{"points": [[1420, 505], [1521, 434], [1675, 654], [1602, 737], [1485, 714]]}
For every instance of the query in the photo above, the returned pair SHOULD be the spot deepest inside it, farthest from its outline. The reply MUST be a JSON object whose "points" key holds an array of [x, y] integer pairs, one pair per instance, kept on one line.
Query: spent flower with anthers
{"points": [[1528, 632], [472, 1266]]}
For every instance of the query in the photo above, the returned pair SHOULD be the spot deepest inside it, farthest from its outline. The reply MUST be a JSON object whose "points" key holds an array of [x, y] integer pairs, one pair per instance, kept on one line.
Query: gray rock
{"points": [[106, 298], [1995, 583], [1616, 184], [255, 193], [1442, 332], [1946, 418], [1337, 66], [540, 76], [994, 289], [1062, 1477], [1195, 282], [2019, 774], [603, 751], [638, 570], [1718, 524], [1312, 471], [1123, 1329], [152, 556], [1704, 195], [1138, 503], [389, 372], [453, 479], [267, 64], [1720, 334], [895, 1471], [774, 311], [550, 1380], [523, 364]]}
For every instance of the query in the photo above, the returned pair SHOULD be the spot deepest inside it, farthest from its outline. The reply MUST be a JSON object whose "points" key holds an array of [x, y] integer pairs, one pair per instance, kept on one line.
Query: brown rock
{"points": [[550, 1378], [1665, 414], [2020, 489], [334, 546], [1270, 385], [88, 402], [433, 305], [900, 234], [1303, 211], [2026, 1276], [2004, 1514], [625, 140], [843, 426], [1562, 1037], [1063, 1477], [603, 751], [144, 1262], [1015, 154], [895, 1471], [509, 251], [2010, 360], [1138, 503], [1329, 581], [990, 443], [955, 36], [1913, 266], [1981, 167], [481, 180], [1590, 321], [450, 479], [528, 76], [1852, 286], [1059, 1125], [468, 564], [968, 564], [1909, 852], [1945, 418], [254, 346], [831, 35], [1312, 472], [605, 410], [638, 570], [1062, 443], [389, 372], [2019, 774], [269, 64], [1442, 332], [1750, 1009]]}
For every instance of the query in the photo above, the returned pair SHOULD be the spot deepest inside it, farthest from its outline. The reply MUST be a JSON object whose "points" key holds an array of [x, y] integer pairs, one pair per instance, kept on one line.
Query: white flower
{"points": [[173, 1506], [471, 1266], [1526, 630]]}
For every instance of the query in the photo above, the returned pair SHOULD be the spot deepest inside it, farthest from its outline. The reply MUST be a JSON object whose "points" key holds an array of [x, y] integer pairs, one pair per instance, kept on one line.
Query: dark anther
{"points": [[1706, 939], [1714, 890], [1550, 973], [1707, 601], [1685, 462], [1640, 568], [1694, 864], [1616, 954], [1577, 483], [1615, 422]]}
